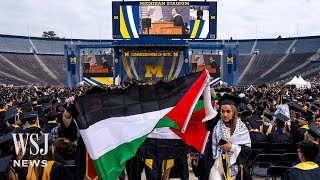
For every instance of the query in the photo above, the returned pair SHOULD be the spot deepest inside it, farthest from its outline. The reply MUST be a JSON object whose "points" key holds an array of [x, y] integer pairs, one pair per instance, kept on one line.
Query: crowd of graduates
{"points": [[273, 115]]}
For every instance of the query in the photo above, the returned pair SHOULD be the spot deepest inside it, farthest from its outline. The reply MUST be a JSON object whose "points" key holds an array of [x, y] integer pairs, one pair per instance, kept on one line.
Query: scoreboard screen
{"points": [[182, 19]]}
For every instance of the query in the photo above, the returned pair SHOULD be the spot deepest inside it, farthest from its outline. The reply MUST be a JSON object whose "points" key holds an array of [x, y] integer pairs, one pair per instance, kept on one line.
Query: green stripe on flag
{"points": [[199, 105], [110, 165]]}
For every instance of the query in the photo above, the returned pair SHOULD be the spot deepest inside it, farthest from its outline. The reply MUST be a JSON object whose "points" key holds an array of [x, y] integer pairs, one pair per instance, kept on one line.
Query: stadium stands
{"points": [[273, 46], [49, 47], [15, 44], [19, 51]]}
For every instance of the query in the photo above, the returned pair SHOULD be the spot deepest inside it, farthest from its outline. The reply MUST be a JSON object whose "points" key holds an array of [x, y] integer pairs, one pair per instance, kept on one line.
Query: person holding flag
{"points": [[229, 146]]}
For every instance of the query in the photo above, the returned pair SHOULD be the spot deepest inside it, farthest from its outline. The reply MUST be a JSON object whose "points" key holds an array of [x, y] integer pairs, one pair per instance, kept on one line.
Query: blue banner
{"points": [[72, 61]]}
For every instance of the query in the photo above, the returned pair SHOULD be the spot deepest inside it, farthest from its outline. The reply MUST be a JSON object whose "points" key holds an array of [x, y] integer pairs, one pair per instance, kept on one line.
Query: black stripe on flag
{"points": [[98, 104]]}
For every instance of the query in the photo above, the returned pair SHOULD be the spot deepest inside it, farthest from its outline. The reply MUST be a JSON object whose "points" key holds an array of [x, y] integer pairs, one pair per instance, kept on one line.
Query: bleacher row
{"points": [[293, 52]]}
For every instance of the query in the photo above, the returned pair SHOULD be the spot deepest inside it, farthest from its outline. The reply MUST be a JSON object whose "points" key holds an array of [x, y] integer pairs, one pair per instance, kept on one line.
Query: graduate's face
{"points": [[226, 113], [317, 122], [302, 121]]}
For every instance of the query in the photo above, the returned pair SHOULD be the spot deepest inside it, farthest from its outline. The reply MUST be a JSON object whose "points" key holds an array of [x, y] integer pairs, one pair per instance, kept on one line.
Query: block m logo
{"points": [[150, 71]]}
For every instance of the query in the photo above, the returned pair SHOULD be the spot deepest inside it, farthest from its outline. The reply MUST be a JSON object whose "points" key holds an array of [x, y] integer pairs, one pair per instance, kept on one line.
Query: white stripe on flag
{"points": [[108, 134], [205, 29], [163, 133], [131, 20]]}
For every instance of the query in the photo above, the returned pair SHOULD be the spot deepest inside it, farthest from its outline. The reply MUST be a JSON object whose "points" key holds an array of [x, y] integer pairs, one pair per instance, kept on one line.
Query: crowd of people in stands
{"points": [[271, 115], [315, 80]]}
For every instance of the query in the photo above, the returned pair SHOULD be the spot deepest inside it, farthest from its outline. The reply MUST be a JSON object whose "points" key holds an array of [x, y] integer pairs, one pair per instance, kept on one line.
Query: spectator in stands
{"points": [[306, 169]]}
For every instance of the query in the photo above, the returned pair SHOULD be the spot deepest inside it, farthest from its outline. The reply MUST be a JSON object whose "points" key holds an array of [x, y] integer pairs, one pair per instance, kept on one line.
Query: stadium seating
{"points": [[245, 47], [15, 44], [49, 46], [307, 45], [273, 46], [19, 50], [260, 65]]}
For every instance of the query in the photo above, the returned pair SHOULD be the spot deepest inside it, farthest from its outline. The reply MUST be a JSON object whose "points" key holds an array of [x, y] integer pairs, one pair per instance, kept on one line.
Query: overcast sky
{"points": [[91, 19]]}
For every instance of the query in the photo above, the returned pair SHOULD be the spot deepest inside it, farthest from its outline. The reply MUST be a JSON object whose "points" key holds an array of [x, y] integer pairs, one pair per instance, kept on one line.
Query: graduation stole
{"points": [[52, 122], [305, 126], [224, 163], [14, 125], [32, 125], [306, 165], [46, 172], [254, 130]]}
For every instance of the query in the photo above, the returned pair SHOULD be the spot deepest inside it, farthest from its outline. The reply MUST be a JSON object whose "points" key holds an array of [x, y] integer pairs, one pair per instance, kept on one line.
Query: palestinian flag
{"points": [[34, 88], [114, 123]]}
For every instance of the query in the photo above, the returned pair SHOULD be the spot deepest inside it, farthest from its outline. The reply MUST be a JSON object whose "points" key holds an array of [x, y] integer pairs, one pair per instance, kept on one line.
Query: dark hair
{"points": [[176, 10], [317, 116], [309, 150]]}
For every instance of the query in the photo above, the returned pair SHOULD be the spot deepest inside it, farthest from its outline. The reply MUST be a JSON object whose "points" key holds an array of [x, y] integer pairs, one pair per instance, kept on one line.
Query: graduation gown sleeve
{"points": [[59, 172]]}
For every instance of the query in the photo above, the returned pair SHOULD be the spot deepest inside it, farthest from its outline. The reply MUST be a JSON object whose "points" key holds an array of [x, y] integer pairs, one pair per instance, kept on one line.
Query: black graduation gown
{"points": [[177, 20], [317, 159], [35, 130], [294, 126], [279, 137], [257, 137], [58, 171], [298, 135], [49, 126], [2, 123], [13, 129], [207, 161], [298, 174]]}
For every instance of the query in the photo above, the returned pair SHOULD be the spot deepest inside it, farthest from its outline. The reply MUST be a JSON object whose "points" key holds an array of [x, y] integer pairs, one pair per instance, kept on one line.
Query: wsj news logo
{"points": [[20, 146]]}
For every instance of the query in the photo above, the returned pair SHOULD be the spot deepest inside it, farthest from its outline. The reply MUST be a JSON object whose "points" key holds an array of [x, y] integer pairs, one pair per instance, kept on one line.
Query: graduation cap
{"points": [[284, 98], [281, 119], [29, 116], [296, 107], [5, 138], [307, 115], [255, 121], [44, 99], [10, 114], [314, 107], [316, 103], [26, 107], [5, 164], [230, 100], [60, 109], [268, 115], [242, 107], [314, 131], [53, 100], [46, 108]]}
